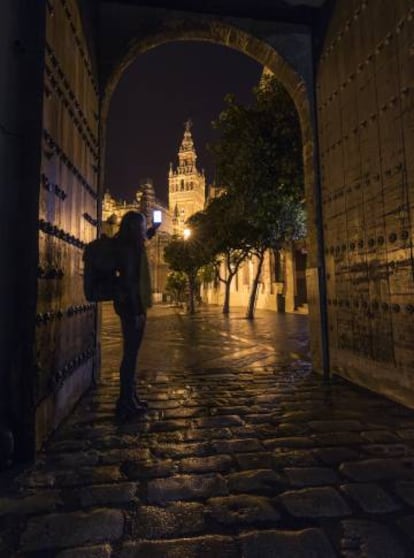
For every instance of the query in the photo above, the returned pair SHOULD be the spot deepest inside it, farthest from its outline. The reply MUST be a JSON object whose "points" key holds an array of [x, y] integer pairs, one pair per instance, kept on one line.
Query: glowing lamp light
{"points": [[186, 234]]}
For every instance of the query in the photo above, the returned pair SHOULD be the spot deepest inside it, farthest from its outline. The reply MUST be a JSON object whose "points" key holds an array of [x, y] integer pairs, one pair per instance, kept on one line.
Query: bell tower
{"points": [[186, 185]]}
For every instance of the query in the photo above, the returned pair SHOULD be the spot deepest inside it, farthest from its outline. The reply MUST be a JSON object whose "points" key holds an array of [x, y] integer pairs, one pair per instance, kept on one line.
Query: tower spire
{"points": [[186, 184], [188, 124], [187, 144]]}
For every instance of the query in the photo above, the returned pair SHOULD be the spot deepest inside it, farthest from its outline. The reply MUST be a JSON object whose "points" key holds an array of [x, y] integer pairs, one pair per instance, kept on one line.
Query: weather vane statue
{"points": [[188, 123]]}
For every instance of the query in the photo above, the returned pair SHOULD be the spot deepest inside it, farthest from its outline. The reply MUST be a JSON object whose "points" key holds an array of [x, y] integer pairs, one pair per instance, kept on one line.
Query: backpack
{"points": [[100, 276]]}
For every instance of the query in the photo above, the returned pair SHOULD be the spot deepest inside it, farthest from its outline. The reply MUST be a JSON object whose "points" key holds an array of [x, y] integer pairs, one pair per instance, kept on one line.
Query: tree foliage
{"points": [[259, 147], [188, 257], [223, 231], [176, 285], [258, 156]]}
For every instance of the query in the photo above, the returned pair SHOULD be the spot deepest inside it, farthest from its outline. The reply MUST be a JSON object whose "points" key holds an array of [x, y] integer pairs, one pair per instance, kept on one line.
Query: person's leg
{"points": [[140, 334], [132, 334]]}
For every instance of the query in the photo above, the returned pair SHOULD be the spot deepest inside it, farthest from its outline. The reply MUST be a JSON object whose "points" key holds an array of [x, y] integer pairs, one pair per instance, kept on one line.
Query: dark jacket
{"points": [[133, 293]]}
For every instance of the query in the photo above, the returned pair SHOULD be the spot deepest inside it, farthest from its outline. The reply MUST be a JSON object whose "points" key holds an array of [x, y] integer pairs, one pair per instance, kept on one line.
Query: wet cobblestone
{"points": [[101, 551], [70, 529], [244, 453], [284, 544], [315, 502], [371, 497]]}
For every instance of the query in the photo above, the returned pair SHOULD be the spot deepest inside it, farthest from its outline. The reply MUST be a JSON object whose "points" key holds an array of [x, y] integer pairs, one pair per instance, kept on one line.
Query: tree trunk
{"points": [[191, 290], [253, 292], [226, 305]]}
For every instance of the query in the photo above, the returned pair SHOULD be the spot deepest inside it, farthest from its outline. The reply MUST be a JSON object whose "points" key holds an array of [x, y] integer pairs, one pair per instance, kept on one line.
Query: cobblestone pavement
{"points": [[244, 453]]}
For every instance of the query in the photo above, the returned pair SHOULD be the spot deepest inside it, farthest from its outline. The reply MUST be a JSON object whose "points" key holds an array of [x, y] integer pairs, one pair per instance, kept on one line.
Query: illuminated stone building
{"points": [[282, 284], [186, 184], [145, 201]]}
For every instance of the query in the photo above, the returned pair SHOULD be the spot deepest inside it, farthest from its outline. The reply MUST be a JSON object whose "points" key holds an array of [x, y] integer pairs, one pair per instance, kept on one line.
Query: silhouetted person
{"points": [[132, 299]]}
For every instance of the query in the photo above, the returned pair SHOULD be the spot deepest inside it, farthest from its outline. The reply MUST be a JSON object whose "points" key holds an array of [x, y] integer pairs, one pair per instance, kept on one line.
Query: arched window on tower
{"points": [[182, 184]]}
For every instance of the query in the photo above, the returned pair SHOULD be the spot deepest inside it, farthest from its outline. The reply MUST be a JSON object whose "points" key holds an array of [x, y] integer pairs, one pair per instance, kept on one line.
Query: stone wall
{"points": [[365, 96]]}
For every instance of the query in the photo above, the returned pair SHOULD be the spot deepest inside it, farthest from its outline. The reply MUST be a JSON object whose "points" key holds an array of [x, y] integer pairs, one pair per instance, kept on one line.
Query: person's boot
{"points": [[126, 409], [139, 403]]}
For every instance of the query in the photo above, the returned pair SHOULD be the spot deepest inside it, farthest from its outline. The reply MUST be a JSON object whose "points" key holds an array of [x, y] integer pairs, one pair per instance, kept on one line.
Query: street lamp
{"points": [[186, 233]]}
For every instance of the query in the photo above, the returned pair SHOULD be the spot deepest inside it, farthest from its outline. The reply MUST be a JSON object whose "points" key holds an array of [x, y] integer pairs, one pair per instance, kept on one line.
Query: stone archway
{"points": [[225, 34]]}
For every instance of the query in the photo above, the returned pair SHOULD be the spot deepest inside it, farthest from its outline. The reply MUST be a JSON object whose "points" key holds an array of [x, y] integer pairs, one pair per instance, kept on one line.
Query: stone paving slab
{"points": [[98, 551], [363, 538], [179, 519], [210, 546], [62, 530], [185, 487], [284, 544], [371, 497], [315, 502], [244, 453]]}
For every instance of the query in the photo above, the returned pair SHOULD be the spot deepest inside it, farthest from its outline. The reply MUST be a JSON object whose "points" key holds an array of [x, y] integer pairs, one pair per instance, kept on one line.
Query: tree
{"points": [[259, 147], [222, 230], [188, 257], [175, 286], [274, 234], [258, 155]]}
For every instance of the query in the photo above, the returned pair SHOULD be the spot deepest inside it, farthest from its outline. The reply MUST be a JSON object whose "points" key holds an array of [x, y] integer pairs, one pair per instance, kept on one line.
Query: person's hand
{"points": [[139, 321], [152, 230]]}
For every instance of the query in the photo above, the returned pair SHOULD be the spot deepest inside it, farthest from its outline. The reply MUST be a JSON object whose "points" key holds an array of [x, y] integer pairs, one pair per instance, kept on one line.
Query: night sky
{"points": [[154, 98]]}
